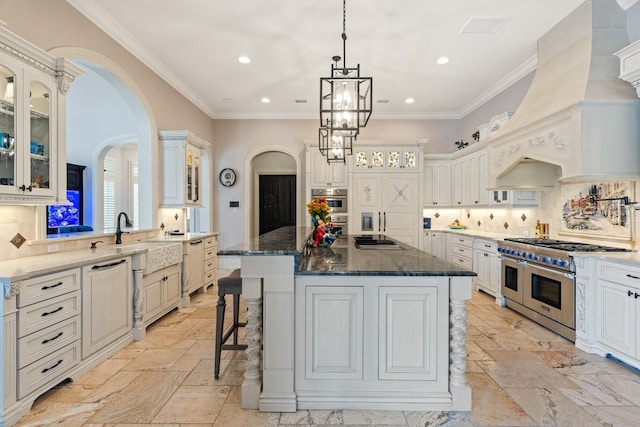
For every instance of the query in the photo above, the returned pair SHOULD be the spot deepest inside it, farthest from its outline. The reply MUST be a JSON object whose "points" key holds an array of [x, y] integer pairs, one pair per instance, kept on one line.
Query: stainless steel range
{"points": [[538, 280]]}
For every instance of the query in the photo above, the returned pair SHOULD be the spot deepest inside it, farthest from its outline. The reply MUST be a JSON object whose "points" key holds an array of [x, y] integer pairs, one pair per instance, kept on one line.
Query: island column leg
{"points": [[252, 384], [459, 293]]}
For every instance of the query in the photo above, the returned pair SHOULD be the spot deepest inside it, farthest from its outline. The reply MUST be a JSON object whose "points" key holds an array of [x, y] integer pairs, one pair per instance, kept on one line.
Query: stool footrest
{"points": [[230, 331]]}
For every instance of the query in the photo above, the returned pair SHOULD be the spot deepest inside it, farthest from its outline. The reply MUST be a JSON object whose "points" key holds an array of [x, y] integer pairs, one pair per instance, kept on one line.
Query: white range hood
{"points": [[578, 121]]}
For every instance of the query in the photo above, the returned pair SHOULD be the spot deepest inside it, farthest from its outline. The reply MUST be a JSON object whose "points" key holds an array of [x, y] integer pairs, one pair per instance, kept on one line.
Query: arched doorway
{"points": [[273, 190]]}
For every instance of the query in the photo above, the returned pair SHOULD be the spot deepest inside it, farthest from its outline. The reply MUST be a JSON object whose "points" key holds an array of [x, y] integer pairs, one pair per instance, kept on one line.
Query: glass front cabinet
{"points": [[182, 159], [381, 157], [33, 85]]}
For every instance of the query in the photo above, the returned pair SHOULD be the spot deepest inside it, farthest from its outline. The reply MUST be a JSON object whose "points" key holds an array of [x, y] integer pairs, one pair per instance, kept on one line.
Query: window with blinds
{"points": [[134, 195], [109, 207]]}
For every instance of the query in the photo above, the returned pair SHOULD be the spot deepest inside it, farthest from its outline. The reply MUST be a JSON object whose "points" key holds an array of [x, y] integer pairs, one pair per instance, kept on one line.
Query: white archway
{"points": [[249, 186], [146, 129]]}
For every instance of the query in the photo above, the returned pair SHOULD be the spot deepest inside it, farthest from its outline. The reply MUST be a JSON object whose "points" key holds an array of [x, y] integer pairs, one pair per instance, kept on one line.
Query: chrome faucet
{"points": [[127, 223]]}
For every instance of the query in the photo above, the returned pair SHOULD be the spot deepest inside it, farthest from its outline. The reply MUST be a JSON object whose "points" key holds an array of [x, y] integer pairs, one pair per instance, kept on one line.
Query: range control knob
{"points": [[555, 261], [546, 259], [563, 263]]}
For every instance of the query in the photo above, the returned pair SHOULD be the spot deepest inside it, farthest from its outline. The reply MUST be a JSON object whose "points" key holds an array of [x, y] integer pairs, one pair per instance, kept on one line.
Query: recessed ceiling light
{"points": [[227, 100], [265, 100], [442, 60], [409, 100], [301, 101], [244, 59], [382, 101]]}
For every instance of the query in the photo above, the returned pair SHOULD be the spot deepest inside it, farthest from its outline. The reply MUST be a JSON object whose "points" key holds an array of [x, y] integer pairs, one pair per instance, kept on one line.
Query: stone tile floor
{"points": [[521, 375]]}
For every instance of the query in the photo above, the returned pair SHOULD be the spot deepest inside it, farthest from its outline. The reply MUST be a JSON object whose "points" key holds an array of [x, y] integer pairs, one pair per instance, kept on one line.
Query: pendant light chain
{"points": [[344, 33]]}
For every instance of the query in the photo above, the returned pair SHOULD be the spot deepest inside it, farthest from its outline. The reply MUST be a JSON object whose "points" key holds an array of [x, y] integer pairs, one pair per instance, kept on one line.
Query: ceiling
{"points": [[195, 47]]}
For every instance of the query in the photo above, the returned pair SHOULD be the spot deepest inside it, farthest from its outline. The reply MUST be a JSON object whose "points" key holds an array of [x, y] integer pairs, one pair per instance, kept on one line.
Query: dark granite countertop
{"points": [[343, 258], [283, 241]]}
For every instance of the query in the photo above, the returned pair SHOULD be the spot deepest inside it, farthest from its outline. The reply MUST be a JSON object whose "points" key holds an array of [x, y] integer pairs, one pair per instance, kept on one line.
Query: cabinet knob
{"points": [[629, 293]]}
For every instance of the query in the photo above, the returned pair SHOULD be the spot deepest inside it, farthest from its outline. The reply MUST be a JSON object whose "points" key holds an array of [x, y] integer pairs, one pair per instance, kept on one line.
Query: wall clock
{"points": [[227, 177]]}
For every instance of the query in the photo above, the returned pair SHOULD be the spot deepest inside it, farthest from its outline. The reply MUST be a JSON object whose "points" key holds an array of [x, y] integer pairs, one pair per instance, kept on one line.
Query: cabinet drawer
{"points": [[462, 261], [462, 241], [46, 313], [210, 242], [49, 370], [486, 246], [209, 253], [39, 344], [461, 251], [210, 277], [209, 264], [51, 285], [619, 273]]}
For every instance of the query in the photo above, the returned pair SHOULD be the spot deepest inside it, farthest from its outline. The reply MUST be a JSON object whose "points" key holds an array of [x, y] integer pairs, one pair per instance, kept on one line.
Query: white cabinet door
{"points": [[325, 174], [403, 158], [440, 245], [616, 317], [106, 304], [334, 331], [456, 183], [408, 333], [367, 203], [437, 183], [400, 207], [195, 265], [483, 193], [152, 299], [171, 289]]}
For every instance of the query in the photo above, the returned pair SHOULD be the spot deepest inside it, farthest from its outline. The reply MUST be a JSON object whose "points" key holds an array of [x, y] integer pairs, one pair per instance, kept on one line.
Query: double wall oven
{"points": [[538, 280]]}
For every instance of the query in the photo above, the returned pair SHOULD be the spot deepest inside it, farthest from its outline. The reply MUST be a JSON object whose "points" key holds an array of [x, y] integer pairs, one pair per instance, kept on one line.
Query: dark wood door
{"points": [[277, 201]]}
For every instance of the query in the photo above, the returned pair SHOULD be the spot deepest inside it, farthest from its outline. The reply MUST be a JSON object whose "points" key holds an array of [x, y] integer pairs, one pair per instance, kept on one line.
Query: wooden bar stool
{"points": [[231, 285]]}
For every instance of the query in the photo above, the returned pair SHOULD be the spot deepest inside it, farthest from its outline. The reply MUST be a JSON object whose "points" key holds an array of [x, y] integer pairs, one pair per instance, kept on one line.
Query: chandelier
{"points": [[346, 104]]}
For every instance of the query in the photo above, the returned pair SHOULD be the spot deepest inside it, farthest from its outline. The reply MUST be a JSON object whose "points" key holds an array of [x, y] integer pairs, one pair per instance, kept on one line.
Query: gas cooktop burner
{"points": [[563, 245]]}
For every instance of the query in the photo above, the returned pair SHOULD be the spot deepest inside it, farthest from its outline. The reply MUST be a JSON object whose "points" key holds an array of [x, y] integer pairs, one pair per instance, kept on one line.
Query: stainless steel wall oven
{"points": [[335, 197]]}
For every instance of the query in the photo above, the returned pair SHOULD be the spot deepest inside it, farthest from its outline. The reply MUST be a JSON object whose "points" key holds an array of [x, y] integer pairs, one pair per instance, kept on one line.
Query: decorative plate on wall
{"points": [[227, 177]]}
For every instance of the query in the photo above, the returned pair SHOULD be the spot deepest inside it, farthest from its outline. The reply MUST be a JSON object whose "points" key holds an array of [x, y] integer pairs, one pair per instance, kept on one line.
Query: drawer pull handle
{"points": [[636, 295], [51, 339], [44, 288], [52, 367], [487, 246], [196, 242], [632, 276], [629, 293], [461, 250], [51, 312], [113, 264]]}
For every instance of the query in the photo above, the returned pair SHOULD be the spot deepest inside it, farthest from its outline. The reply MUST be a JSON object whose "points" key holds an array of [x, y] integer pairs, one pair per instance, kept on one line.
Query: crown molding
{"points": [[96, 14], [626, 4], [513, 77]]}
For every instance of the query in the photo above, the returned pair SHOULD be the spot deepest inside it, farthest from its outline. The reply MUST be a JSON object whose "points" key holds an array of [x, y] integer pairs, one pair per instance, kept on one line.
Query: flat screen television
{"points": [[65, 215]]}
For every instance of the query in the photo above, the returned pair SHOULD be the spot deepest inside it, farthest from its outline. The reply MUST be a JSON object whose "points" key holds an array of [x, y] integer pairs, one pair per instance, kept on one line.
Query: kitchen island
{"points": [[349, 328]]}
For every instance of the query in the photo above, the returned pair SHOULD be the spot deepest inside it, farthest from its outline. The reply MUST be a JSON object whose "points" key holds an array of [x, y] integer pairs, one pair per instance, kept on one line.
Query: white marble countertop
{"points": [[23, 268]]}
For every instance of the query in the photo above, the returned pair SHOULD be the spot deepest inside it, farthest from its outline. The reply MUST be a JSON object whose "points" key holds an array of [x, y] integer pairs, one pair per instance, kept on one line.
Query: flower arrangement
{"points": [[318, 209]]}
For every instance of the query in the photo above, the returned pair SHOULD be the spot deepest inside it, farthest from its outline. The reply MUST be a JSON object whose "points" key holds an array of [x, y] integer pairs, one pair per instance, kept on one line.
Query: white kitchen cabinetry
{"points": [[486, 265], [387, 204], [32, 123], [322, 174], [182, 153], [618, 311], [437, 244], [437, 181], [210, 261], [469, 177], [107, 308], [362, 335], [48, 334], [461, 251], [389, 156], [162, 291]]}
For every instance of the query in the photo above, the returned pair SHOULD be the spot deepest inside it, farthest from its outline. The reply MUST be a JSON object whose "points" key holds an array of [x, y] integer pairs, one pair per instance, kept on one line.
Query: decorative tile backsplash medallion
{"points": [[479, 223], [523, 217], [506, 225], [491, 216], [176, 217], [18, 240], [597, 209], [468, 215], [437, 215]]}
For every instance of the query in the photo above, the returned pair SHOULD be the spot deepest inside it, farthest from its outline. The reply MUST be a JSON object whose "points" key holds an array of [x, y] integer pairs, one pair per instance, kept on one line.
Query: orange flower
{"points": [[318, 208]]}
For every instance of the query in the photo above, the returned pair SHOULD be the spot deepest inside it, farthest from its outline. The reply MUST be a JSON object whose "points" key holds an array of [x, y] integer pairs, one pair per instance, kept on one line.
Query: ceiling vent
{"points": [[301, 101], [382, 101], [482, 25]]}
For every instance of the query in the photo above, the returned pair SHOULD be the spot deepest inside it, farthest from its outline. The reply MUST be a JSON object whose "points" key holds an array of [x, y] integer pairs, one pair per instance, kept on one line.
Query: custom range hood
{"points": [[578, 121]]}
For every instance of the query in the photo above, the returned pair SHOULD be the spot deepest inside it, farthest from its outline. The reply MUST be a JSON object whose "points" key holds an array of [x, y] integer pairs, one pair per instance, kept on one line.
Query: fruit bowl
{"points": [[457, 227]]}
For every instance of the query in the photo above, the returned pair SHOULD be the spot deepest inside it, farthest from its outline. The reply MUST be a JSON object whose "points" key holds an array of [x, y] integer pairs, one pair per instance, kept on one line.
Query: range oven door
{"points": [[550, 293], [512, 279]]}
